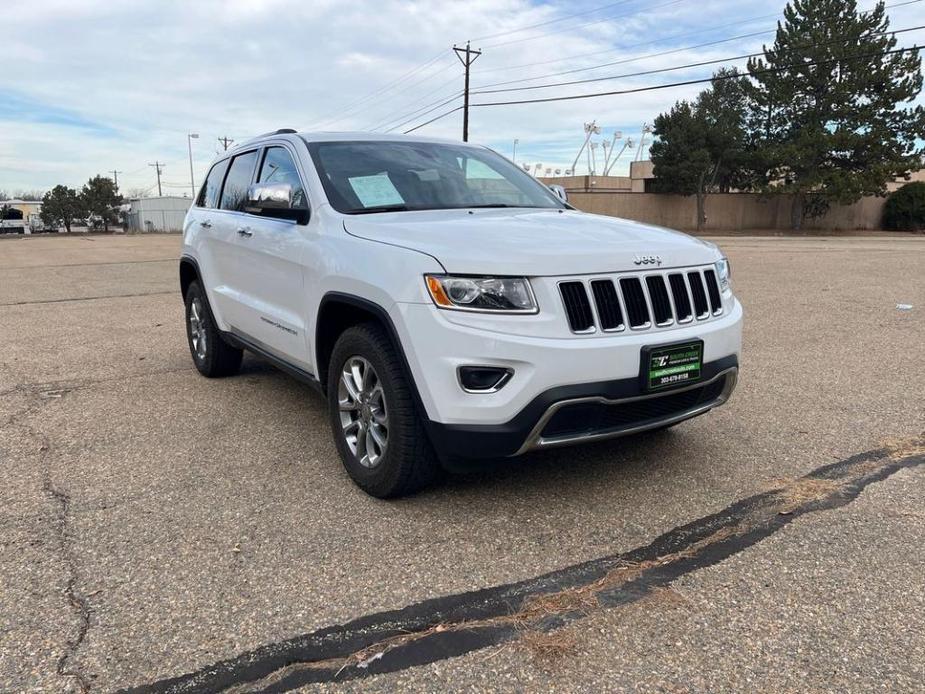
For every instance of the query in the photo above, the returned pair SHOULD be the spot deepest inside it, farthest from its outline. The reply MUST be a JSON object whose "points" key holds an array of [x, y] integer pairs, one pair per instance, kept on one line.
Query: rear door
{"points": [[202, 233], [227, 223], [271, 252]]}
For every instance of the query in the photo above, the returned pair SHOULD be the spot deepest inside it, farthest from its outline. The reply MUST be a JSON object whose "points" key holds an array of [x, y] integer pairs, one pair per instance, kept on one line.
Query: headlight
{"points": [[723, 273], [496, 294]]}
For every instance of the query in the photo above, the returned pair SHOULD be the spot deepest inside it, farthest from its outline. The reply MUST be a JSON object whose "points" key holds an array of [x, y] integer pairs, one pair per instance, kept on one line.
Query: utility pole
{"points": [[189, 142], [470, 57], [225, 142], [514, 151], [157, 165], [115, 177]]}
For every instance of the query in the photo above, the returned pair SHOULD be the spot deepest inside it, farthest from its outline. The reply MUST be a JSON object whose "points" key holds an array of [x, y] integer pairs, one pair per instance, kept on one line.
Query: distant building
{"points": [[642, 175], [165, 213], [637, 182]]}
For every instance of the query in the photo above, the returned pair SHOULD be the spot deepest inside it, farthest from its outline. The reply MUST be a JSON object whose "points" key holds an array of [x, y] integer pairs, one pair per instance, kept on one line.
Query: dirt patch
{"points": [[549, 648], [898, 448], [796, 493]]}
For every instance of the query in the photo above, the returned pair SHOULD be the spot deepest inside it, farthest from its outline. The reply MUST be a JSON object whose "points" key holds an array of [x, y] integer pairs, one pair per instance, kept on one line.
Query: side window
{"points": [[234, 194], [278, 167], [208, 196]]}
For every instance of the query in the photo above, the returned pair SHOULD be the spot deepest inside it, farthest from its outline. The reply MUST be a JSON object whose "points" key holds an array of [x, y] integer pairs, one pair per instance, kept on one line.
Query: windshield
{"points": [[366, 177]]}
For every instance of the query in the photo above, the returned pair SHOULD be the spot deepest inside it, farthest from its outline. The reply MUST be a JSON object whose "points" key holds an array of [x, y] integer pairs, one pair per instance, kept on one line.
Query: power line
{"points": [[675, 68], [434, 119], [430, 110], [401, 111], [423, 110], [670, 85], [699, 32], [551, 21], [662, 53], [609, 18], [404, 90], [353, 105], [632, 59], [690, 82]]}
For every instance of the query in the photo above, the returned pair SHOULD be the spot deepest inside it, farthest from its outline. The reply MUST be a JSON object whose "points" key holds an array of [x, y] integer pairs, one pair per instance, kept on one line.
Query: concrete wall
{"points": [[726, 211], [589, 183]]}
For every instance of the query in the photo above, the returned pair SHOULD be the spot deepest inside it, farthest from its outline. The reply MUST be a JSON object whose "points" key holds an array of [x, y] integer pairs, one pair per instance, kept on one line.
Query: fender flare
{"points": [[386, 320]]}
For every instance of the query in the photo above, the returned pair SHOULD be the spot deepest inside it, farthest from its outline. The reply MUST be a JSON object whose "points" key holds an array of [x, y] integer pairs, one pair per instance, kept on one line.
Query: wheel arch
{"points": [[339, 311], [189, 273]]}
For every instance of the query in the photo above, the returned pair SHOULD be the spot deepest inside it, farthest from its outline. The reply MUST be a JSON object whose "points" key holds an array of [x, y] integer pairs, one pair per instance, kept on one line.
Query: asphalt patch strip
{"points": [[455, 625], [85, 298]]}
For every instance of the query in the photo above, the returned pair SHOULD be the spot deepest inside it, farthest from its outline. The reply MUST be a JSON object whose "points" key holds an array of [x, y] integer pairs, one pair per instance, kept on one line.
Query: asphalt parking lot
{"points": [[158, 525]]}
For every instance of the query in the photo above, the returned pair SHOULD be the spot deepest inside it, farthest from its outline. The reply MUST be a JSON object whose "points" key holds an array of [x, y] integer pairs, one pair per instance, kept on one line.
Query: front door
{"points": [[270, 253]]}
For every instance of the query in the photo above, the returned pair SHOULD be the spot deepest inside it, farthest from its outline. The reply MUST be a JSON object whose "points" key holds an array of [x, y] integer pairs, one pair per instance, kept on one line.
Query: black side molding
{"points": [[252, 346]]}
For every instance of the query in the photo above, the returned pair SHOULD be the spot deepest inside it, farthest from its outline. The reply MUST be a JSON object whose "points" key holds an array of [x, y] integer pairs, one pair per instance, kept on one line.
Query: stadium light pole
{"points": [[189, 142]]}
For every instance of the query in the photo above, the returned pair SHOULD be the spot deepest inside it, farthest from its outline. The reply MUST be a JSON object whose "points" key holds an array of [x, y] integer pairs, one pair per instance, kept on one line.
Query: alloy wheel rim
{"points": [[197, 328], [363, 413]]}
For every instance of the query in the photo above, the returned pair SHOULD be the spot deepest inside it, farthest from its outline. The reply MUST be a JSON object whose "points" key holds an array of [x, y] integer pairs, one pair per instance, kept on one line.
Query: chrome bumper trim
{"points": [[536, 441]]}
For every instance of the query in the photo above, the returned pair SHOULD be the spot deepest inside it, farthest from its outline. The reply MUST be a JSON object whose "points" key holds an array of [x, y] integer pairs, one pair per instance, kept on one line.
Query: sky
{"points": [[90, 86]]}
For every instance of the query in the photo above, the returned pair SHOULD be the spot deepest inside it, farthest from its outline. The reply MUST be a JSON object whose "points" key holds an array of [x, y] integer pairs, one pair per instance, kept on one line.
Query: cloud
{"points": [[90, 85]]}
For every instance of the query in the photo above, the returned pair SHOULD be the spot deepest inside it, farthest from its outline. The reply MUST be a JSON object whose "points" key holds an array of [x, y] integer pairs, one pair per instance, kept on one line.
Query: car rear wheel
{"points": [[377, 429], [212, 356]]}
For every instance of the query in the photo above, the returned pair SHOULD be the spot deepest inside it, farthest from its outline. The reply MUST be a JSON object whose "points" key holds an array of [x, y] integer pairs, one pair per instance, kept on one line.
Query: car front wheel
{"points": [[379, 434]]}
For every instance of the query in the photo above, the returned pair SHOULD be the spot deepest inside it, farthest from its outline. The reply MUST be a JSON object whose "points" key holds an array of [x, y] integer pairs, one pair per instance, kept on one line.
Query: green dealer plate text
{"points": [[672, 365]]}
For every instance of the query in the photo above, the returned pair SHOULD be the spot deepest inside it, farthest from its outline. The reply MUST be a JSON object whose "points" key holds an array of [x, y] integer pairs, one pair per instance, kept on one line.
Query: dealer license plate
{"points": [[667, 366]]}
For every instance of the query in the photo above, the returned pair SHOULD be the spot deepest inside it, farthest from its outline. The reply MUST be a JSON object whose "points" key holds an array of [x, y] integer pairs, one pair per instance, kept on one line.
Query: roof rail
{"points": [[281, 131]]}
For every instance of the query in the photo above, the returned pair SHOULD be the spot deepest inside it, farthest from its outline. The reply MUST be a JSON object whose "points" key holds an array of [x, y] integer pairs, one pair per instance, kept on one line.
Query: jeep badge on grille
{"points": [[647, 260]]}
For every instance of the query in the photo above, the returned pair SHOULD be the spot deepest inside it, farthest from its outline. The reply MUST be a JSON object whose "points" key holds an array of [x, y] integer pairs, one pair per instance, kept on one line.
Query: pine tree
{"points": [[700, 146], [100, 195], [60, 205], [830, 113]]}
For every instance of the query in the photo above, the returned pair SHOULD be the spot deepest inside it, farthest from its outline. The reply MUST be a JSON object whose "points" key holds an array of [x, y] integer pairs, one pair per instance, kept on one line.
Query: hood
{"points": [[531, 242]]}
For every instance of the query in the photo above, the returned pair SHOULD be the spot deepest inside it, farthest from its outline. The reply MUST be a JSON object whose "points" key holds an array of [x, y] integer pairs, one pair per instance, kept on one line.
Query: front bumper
{"points": [[592, 412], [592, 379]]}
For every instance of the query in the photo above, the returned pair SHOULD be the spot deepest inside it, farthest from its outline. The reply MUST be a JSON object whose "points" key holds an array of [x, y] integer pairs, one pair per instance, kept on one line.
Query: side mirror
{"points": [[559, 191], [274, 200]]}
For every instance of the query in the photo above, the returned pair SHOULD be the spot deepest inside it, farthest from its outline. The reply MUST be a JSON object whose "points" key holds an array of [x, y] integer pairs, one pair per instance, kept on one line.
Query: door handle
{"points": [[205, 223], [245, 232]]}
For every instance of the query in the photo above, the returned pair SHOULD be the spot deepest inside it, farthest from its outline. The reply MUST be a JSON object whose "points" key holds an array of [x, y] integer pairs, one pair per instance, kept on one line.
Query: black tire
{"points": [[218, 358], [409, 462]]}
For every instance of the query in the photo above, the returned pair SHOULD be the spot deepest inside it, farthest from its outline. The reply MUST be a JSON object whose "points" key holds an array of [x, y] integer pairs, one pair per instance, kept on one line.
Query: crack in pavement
{"points": [[62, 501], [107, 262], [86, 298], [455, 625]]}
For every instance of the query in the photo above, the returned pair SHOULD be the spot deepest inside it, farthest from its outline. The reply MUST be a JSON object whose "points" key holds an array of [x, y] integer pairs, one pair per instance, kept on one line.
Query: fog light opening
{"points": [[483, 379]]}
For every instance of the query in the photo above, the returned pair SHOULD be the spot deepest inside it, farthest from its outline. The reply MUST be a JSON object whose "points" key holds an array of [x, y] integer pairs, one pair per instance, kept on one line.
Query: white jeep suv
{"points": [[446, 303]]}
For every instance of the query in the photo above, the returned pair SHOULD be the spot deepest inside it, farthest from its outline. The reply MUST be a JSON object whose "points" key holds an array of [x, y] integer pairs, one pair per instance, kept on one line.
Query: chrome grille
{"points": [[641, 301]]}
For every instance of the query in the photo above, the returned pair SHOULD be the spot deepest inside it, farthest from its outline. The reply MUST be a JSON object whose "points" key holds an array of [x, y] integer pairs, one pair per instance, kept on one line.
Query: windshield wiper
{"points": [[381, 208], [490, 204]]}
